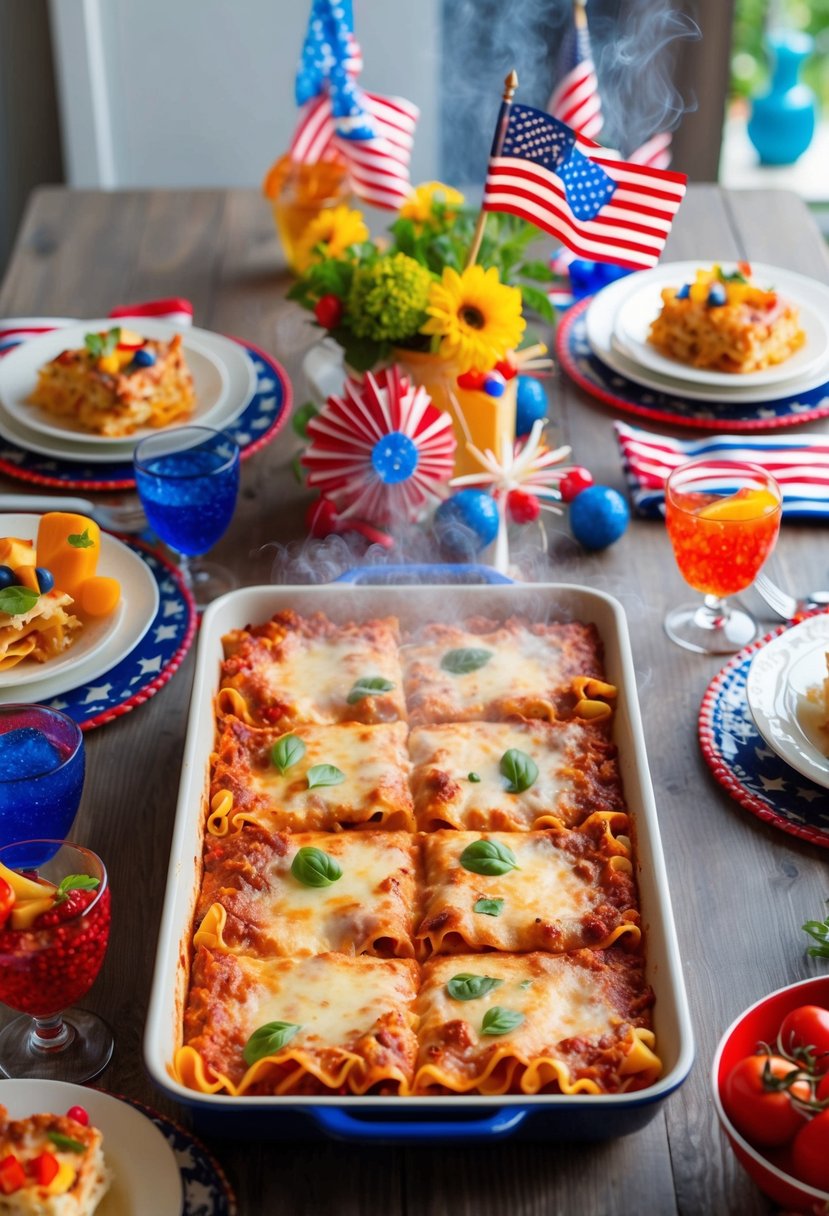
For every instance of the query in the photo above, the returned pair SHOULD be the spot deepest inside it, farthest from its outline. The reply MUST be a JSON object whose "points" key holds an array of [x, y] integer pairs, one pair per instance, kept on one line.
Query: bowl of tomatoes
{"points": [[771, 1091]]}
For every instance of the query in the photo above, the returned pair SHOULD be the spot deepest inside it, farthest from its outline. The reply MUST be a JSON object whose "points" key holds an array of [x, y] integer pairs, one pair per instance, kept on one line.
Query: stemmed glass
{"points": [[188, 479], [51, 949], [41, 774], [723, 518]]}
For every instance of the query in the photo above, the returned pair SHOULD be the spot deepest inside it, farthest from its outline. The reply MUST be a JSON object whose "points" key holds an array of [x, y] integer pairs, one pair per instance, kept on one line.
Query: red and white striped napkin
{"points": [[799, 463], [15, 330]]}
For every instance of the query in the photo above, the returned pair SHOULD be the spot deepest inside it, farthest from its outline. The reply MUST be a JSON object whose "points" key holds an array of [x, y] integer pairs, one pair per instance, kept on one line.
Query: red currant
{"points": [[574, 482], [329, 311], [523, 506], [79, 1115]]}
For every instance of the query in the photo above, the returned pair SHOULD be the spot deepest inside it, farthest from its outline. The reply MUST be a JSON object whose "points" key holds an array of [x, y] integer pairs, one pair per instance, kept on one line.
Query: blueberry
{"points": [[45, 579], [717, 295], [8, 578], [143, 357], [684, 291]]}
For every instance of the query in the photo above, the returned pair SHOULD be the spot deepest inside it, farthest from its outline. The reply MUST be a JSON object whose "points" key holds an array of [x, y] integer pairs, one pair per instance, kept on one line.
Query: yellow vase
{"points": [[298, 193], [476, 417]]}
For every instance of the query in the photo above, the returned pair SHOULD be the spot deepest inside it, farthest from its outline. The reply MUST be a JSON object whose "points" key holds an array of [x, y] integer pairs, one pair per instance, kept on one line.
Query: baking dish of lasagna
{"points": [[416, 886]]}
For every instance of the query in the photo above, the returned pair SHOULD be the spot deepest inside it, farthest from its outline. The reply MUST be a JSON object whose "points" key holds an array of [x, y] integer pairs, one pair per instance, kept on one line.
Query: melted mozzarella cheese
{"points": [[517, 667], [317, 676]]}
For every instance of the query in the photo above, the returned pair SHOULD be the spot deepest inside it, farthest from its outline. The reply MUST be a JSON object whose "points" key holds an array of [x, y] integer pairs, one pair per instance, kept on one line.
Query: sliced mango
{"points": [[27, 577], [745, 504], [63, 1180], [99, 595], [26, 911], [15, 552], [69, 545], [24, 888]]}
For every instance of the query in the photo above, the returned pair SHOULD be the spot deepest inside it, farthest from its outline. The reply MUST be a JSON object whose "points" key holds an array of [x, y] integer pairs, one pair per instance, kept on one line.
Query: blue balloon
{"points": [[466, 523], [530, 404], [598, 516]]}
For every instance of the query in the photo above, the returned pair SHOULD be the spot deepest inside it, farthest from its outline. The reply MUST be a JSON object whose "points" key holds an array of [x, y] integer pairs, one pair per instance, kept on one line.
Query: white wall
{"points": [[200, 92]]}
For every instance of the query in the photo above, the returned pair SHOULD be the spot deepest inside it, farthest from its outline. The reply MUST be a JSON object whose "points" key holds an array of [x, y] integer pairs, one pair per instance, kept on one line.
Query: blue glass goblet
{"points": [[188, 480], [42, 767]]}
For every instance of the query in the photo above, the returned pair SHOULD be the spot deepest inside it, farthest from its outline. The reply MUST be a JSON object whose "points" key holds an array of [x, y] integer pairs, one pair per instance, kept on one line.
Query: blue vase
{"points": [[783, 119]]}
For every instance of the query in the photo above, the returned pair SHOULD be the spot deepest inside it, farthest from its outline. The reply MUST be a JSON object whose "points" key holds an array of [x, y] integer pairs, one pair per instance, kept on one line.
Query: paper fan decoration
{"points": [[381, 450]]}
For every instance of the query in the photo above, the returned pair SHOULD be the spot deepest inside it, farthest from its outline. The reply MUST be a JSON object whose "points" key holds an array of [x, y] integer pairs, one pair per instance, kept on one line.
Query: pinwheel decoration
{"points": [[380, 451]]}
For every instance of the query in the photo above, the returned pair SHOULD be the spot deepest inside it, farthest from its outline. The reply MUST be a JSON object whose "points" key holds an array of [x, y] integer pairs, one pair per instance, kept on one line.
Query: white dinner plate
{"points": [[145, 1176], [783, 691], [600, 317], [224, 377], [644, 303], [101, 643]]}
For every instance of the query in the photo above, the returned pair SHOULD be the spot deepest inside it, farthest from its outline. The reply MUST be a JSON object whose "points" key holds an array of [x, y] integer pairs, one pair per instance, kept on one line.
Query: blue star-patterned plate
{"points": [[746, 767], [150, 665], [577, 358], [206, 1190], [257, 425]]}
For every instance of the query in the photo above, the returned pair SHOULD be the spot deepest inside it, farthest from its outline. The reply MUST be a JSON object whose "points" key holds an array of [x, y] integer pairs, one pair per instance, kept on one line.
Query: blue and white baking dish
{"points": [[407, 1119]]}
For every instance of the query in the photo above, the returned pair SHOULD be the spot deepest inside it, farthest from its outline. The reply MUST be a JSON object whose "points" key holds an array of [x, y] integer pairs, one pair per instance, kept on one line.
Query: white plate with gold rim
{"points": [[786, 697], [101, 643], [145, 1175]]}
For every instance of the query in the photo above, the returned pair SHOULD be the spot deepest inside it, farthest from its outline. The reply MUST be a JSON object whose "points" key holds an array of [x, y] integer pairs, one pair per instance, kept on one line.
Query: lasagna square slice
{"points": [[298, 669], [512, 776], [314, 778], [327, 1024], [80, 1181], [555, 890], [312, 893], [535, 1023], [491, 671]]}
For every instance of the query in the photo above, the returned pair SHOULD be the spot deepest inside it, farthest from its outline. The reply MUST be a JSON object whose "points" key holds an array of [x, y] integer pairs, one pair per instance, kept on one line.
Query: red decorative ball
{"points": [[507, 367], [523, 506], [472, 380], [329, 311], [577, 479]]}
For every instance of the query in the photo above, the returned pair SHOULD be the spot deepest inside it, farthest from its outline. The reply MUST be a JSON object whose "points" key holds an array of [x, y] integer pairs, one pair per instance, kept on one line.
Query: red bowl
{"points": [[759, 1024]]}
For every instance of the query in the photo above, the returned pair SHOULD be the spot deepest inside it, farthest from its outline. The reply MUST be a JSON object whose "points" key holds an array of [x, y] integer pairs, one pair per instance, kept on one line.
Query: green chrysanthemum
{"points": [[388, 298]]}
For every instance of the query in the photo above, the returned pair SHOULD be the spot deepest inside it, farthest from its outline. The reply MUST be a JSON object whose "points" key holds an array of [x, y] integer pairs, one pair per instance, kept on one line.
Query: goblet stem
{"points": [[714, 612], [51, 1034]]}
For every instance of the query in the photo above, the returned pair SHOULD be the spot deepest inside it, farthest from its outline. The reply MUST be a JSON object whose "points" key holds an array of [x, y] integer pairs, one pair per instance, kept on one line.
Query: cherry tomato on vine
{"points": [[757, 1097], [810, 1152], [807, 1028]]}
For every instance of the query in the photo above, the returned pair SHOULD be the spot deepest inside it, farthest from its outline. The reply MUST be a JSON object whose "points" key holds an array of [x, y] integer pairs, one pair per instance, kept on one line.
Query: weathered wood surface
{"points": [[741, 889]]}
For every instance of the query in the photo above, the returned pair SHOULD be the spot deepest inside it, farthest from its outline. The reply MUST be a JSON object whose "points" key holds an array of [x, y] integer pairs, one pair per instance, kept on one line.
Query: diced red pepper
{"points": [[43, 1168], [12, 1177]]}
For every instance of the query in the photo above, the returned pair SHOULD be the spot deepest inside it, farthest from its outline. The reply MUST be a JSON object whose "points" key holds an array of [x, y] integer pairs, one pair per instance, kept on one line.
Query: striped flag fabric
{"points": [[655, 152], [799, 464], [602, 208], [576, 100], [379, 166]]}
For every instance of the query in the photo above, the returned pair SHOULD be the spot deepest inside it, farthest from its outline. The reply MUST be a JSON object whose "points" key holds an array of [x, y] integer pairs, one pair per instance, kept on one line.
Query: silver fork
{"points": [[126, 515], [785, 605]]}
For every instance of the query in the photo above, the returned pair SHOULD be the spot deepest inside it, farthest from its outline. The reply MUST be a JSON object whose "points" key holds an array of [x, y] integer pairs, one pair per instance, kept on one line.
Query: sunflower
{"points": [[420, 205], [328, 235], [477, 317]]}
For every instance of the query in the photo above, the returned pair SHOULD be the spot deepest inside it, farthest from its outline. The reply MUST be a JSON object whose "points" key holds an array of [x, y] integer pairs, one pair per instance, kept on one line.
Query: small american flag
{"points": [[378, 167], [655, 152], [602, 208], [575, 99]]}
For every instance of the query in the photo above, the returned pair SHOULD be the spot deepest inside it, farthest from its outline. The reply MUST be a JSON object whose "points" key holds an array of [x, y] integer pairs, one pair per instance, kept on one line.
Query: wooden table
{"points": [[741, 889]]}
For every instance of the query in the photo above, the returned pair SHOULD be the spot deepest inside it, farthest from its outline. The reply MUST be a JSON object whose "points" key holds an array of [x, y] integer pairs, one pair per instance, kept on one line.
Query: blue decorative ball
{"points": [[598, 516], [530, 404], [466, 523]]}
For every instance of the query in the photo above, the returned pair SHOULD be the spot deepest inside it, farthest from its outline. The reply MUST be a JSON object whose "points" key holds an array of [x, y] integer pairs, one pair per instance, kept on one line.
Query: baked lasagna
{"points": [[726, 322], [51, 1165], [418, 872], [116, 383]]}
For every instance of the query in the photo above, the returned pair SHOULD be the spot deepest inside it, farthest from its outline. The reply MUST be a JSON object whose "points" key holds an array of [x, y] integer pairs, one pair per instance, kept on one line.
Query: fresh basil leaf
{"points": [[314, 868], [367, 686], [468, 987], [268, 1040], [14, 601], [488, 857], [520, 770], [111, 340], [499, 1020], [488, 907], [66, 1142], [94, 343], [525, 984], [465, 659], [325, 774], [473, 777], [287, 751], [301, 418], [76, 882], [81, 540]]}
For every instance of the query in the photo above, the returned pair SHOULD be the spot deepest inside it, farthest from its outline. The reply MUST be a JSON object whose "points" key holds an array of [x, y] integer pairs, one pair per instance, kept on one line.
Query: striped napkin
{"points": [[15, 330], [799, 463]]}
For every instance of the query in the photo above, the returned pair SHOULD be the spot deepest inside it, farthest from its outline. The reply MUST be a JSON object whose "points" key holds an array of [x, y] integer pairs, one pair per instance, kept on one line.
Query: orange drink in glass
{"points": [[723, 518], [298, 193]]}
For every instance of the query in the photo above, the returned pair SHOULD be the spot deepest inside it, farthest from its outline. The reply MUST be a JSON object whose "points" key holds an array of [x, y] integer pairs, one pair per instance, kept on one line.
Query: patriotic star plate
{"points": [[259, 422], [746, 767], [95, 700], [101, 643], [785, 693], [678, 408]]}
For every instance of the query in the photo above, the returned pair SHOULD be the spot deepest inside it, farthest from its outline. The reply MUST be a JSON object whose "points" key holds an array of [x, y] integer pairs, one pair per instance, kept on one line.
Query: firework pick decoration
{"points": [[524, 482], [380, 451]]}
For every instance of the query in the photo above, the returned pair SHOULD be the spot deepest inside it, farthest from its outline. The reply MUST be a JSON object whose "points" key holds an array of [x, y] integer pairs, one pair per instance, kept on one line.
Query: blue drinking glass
{"points": [[42, 764], [188, 480]]}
